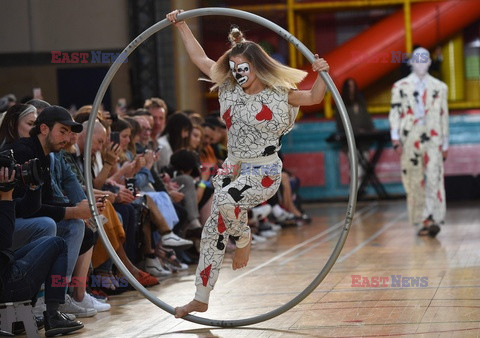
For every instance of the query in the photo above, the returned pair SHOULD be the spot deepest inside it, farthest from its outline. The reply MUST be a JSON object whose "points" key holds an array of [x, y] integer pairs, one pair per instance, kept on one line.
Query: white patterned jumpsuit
{"points": [[249, 176], [419, 119]]}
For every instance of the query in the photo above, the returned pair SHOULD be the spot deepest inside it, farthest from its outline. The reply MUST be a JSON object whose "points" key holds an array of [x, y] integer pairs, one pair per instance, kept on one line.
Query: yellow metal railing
{"points": [[296, 25]]}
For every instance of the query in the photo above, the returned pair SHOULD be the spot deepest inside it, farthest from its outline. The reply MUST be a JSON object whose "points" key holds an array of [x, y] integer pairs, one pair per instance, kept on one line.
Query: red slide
{"points": [[377, 51]]}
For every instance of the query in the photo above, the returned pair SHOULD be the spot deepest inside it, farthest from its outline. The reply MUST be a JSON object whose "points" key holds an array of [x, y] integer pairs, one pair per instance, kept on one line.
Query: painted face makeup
{"points": [[240, 72]]}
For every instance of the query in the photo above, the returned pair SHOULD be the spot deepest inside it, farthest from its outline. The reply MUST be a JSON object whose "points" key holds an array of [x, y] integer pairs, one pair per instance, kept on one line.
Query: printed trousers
{"points": [[422, 177], [239, 185]]}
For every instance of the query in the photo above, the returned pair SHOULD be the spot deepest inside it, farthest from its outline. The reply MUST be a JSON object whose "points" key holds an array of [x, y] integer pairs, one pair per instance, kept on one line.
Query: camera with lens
{"points": [[29, 173]]}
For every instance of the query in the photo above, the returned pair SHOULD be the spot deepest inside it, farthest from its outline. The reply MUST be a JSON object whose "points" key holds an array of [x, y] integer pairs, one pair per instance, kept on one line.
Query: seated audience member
{"points": [[50, 133], [68, 191], [155, 217], [201, 145], [6, 102], [175, 136], [144, 141], [122, 203], [159, 111], [145, 175], [220, 138], [42, 261], [186, 162], [39, 104], [17, 122], [83, 114], [196, 119], [215, 134], [140, 112], [135, 131]]}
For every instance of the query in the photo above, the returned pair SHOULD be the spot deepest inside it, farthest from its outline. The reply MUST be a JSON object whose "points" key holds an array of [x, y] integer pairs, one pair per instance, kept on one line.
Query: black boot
{"points": [[59, 323]]}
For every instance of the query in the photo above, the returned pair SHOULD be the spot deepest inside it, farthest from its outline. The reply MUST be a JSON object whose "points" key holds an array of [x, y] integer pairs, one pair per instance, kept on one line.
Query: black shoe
{"points": [[60, 324], [433, 230], [263, 227]]}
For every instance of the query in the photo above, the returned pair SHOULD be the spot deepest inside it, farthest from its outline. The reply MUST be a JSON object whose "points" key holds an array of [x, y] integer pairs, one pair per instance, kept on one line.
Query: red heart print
{"points": [[264, 114], [267, 182]]}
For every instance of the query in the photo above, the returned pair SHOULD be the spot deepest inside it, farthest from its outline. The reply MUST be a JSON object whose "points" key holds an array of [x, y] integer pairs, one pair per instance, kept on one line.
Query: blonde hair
{"points": [[155, 102], [269, 71]]}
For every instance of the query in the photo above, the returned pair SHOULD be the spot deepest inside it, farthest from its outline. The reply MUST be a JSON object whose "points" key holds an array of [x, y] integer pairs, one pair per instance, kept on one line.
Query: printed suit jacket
{"points": [[403, 106]]}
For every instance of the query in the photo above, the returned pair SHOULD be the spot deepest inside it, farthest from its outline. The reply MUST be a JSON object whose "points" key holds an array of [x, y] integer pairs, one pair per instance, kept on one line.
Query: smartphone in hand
{"points": [[115, 137]]}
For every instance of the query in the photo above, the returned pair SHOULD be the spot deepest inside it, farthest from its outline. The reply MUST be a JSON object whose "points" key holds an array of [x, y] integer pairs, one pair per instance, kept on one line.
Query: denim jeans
{"points": [[72, 231], [35, 264], [127, 212], [29, 229]]}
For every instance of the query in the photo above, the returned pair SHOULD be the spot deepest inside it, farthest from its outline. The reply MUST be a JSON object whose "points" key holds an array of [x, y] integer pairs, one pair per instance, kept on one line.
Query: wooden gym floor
{"points": [[444, 302]]}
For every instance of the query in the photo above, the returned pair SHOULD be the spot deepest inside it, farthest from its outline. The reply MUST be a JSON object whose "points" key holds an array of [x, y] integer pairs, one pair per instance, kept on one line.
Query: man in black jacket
{"points": [[51, 132], [23, 271]]}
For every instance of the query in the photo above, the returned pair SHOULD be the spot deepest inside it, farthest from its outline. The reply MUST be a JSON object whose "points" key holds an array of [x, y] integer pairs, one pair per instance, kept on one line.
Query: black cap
{"points": [[60, 115]]}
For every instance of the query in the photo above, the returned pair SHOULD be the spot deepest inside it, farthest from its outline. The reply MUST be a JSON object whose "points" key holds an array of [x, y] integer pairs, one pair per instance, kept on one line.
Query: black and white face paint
{"points": [[240, 72]]}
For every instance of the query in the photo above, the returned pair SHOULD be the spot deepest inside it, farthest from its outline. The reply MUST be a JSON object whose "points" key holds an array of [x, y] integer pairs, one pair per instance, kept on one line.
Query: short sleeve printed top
{"points": [[255, 123]]}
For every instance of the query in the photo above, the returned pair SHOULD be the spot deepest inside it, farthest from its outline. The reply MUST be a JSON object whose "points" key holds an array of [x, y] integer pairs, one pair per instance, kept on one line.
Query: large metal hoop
{"points": [[351, 148]]}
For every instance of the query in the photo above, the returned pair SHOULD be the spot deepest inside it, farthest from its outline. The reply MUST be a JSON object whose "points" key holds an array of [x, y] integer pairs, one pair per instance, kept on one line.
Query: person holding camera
{"points": [[50, 133], [17, 122], [44, 260]]}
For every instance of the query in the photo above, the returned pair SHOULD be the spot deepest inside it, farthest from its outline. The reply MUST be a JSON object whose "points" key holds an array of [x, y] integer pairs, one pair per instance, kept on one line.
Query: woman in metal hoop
{"points": [[259, 102]]}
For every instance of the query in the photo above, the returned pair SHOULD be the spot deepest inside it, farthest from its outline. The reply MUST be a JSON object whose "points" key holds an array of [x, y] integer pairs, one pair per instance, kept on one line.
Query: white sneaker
{"points": [[281, 214], [180, 267], [268, 233], [258, 239], [76, 308], [275, 227], [92, 302], [172, 240], [39, 307], [155, 268], [261, 211]]}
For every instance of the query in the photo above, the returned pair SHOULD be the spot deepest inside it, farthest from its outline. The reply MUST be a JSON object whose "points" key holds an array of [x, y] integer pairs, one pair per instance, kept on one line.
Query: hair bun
{"points": [[236, 36]]}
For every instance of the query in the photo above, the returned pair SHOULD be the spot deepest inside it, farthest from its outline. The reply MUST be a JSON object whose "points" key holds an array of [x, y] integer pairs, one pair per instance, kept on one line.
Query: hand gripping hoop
{"points": [[351, 150]]}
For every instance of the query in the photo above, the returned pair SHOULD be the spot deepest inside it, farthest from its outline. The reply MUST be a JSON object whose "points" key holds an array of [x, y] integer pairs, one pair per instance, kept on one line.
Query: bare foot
{"points": [[194, 305], [240, 257]]}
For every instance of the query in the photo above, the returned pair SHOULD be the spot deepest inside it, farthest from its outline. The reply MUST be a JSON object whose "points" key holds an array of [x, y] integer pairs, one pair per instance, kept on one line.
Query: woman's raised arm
{"points": [[194, 49]]}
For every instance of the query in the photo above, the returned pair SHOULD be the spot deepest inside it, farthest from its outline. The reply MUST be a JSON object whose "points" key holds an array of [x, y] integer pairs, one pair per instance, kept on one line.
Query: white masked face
{"points": [[240, 71], [420, 61]]}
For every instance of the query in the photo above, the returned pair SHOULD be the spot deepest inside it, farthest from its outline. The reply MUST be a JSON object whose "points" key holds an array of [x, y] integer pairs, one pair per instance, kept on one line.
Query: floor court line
{"points": [[371, 238], [302, 244], [328, 238]]}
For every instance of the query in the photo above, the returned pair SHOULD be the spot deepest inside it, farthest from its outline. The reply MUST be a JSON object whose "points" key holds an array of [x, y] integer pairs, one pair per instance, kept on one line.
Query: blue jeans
{"points": [[29, 229], [35, 264], [127, 212], [72, 231]]}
